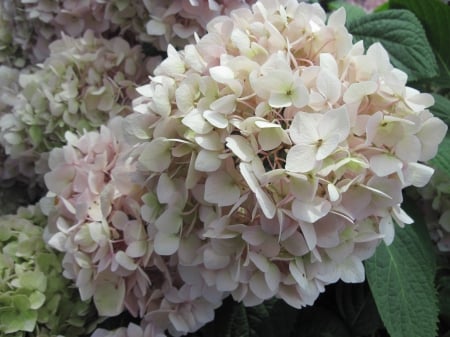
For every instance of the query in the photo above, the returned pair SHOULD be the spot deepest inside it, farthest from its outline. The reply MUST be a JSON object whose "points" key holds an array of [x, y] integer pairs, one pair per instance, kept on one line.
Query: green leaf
{"points": [[357, 308], [230, 320], [424, 243], [441, 108], [435, 17], [401, 281], [444, 296], [442, 159], [318, 321], [273, 318], [353, 12], [402, 36]]}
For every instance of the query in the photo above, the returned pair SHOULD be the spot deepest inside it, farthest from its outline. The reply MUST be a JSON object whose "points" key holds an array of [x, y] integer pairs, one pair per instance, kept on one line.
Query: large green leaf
{"points": [[442, 159], [357, 308], [319, 321], [441, 108], [403, 36], [435, 17], [273, 318], [401, 278]]}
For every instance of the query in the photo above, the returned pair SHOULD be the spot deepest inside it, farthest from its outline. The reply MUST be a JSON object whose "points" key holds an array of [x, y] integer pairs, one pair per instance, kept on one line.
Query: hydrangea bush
{"points": [[208, 165], [265, 160]]}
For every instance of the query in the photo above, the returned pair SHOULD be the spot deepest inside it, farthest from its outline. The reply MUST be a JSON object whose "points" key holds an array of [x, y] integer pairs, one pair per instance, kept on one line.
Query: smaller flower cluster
{"points": [[177, 22], [435, 200], [368, 5], [84, 82], [34, 296], [108, 247], [30, 26]]}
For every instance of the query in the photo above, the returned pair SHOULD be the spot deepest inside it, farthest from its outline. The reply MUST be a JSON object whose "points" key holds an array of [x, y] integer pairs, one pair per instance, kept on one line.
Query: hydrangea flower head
{"points": [[33, 25], [85, 82], [94, 209], [34, 295], [435, 204], [277, 151]]}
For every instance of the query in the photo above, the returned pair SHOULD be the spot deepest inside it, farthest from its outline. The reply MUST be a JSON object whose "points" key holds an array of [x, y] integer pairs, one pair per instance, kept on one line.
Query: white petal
{"points": [[357, 91], [166, 244], [384, 164], [210, 141], [387, 229], [408, 149], [169, 221], [297, 270], [266, 204], [329, 86], [125, 261], [109, 297], [309, 234], [303, 129], [352, 270], [335, 122], [301, 158], [195, 121], [225, 104], [259, 286], [156, 155], [221, 189], [240, 147], [165, 189], [221, 74], [214, 261], [137, 248], [310, 211], [327, 147], [417, 174], [272, 277], [207, 161], [216, 119]]}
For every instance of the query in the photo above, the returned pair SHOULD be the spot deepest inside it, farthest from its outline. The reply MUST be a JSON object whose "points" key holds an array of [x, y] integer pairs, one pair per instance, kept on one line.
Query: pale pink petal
{"points": [[301, 158]]}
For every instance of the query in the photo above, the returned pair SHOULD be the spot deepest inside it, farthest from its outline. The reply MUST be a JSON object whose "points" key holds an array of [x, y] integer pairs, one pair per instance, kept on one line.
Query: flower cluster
{"points": [[84, 82], [108, 247], [178, 21], [277, 152], [435, 203], [30, 26], [34, 296], [368, 5]]}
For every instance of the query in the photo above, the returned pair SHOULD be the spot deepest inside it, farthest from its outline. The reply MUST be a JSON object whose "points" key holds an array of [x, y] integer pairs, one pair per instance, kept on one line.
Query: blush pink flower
{"points": [[275, 152]]}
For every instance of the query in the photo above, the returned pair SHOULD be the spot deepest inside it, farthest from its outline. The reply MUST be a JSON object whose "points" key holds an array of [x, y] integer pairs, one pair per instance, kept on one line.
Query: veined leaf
{"points": [[401, 279], [402, 36], [318, 321], [442, 159], [357, 308], [441, 108], [273, 318], [435, 17]]}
